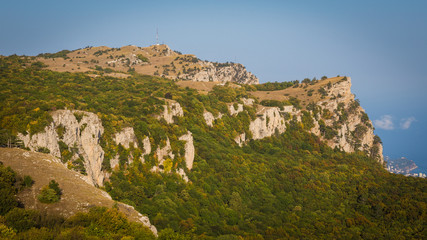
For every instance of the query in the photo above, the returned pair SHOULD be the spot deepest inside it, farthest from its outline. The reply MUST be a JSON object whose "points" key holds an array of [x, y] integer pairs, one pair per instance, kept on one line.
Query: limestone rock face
{"points": [[47, 139], [342, 88], [229, 72], [234, 111], [171, 109], [339, 113], [126, 138], [84, 135], [356, 132], [189, 149], [164, 152], [240, 139], [184, 176], [209, 118], [114, 162], [147, 146], [248, 101], [269, 121]]}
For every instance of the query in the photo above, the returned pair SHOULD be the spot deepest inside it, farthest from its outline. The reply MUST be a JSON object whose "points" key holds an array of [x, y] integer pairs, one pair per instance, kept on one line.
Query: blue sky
{"points": [[381, 45]]}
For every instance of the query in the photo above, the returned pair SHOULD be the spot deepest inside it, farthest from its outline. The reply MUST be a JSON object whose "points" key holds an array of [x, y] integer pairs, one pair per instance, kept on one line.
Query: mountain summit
{"points": [[156, 60]]}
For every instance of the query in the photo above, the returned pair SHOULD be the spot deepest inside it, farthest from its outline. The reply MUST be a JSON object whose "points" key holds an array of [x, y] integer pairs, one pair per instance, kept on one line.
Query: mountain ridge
{"points": [[216, 160], [156, 60]]}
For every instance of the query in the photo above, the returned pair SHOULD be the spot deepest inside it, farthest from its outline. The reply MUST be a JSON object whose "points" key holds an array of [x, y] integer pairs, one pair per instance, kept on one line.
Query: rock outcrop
{"points": [[217, 72], [79, 130], [170, 110], [147, 146], [79, 133], [164, 152], [209, 118], [189, 149], [248, 101], [354, 130], [181, 173], [268, 121], [126, 138], [234, 111], [240, 139], [156, 60], [338, 120]]}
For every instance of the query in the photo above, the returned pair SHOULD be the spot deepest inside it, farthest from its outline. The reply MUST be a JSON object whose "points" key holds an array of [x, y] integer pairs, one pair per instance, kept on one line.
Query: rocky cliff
{"points": [[343, 123], [188, 149], [73, 135], [215, 72], [338, 119], [170, 110], [74, 138], [126, 138]]}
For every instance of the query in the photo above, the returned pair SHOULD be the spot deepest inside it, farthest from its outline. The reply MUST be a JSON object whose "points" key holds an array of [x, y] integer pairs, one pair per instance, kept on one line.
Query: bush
{"points": [[323, 92], [142, 58], [37, 234], [55, 186], [5, 232], [38, 65], [7, 189], [50, 193], [21, 219], [43, 150], [28, 181]]}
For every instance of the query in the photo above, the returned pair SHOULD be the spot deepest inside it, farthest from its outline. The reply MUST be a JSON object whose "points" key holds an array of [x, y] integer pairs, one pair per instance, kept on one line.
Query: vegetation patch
{"points": [[50, 193]]}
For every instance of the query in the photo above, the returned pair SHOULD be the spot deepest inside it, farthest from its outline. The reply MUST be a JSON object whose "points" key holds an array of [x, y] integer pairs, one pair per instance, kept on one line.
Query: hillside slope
{"points": [[77, 195], [218, 164], [156, 60]]}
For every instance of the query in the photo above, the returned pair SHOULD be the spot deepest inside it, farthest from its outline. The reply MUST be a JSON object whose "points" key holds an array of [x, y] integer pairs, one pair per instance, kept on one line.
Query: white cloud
{"points": [[385, 122], [405, 123]]}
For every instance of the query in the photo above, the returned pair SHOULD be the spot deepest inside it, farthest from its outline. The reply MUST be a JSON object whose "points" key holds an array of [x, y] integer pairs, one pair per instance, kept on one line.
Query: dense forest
{"points": [[288, 186]]}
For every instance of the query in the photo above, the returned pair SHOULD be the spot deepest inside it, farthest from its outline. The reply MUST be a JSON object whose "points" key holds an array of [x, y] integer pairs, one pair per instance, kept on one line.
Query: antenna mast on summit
{"points": [[157, 36]]}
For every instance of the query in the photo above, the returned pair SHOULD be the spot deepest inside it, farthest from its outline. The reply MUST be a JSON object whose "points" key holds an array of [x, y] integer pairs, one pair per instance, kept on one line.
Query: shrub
{"points": [[38, 65], [43, 150], [377, 140], [5, 232], [7, 189], [50, 193], [142, 58], [28, 181], [323, 92], [55, 186], [62, 54], [21, 219], [60, 130]]}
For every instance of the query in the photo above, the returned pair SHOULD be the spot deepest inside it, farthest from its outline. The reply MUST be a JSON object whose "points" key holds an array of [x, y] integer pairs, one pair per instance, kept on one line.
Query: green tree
{"points": [[50, 193], [21, 219]]}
